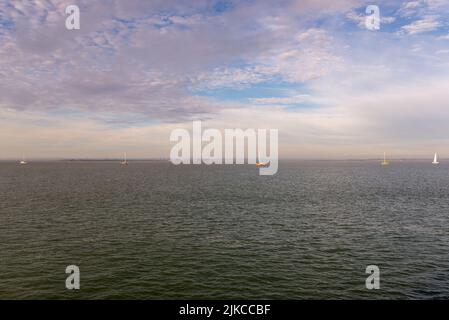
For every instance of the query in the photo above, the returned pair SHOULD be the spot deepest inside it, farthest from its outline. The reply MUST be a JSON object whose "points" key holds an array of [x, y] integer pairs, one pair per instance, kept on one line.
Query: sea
{"points": [[153, 230]]}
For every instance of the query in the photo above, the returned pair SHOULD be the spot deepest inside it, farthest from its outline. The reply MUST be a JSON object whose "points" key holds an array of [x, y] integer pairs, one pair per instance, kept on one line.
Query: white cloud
{"points": [[282, 100], [122, 59], [410, 8], [133, 68], [398, 119], [360, 19], [445, 37], [421, 8], [420, 26], [307, 55]]}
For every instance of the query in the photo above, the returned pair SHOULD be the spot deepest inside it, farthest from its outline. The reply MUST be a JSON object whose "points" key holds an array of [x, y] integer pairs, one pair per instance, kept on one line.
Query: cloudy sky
{"points": [[139, 68]]}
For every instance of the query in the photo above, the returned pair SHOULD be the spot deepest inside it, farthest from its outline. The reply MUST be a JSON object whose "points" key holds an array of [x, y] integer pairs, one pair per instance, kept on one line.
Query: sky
{"points": [[138, 69]]}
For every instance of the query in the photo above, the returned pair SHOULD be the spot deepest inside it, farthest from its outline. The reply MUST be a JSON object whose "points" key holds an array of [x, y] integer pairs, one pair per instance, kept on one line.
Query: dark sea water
{"points": [[152, 230]]}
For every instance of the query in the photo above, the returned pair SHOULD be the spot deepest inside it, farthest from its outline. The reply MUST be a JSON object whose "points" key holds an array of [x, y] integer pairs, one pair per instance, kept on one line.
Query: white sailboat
{"points": [[125, 161], [23, 161], [435, 159]]}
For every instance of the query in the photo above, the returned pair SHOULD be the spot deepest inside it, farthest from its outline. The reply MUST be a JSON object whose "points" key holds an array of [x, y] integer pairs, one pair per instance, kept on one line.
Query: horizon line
{"points": [[246, 159]]}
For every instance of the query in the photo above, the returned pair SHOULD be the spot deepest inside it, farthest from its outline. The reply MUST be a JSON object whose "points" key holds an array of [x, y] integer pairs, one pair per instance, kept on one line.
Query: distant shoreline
{"points": [[153, 160], [82, 160]]}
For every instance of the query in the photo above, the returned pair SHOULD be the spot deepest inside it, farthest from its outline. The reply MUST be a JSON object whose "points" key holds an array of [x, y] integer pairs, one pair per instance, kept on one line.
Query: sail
{"points": [[125, 161], [23, 161], [435, 159]]}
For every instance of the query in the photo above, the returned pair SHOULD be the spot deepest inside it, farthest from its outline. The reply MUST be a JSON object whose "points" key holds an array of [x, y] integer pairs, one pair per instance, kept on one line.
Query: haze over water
{"points": [[152, 230]]}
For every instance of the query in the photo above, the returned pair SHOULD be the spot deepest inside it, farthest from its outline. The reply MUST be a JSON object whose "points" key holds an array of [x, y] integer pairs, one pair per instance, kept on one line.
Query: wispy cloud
{"points": [[138, 67], [282, 100], [360, 19], [423, 25]]}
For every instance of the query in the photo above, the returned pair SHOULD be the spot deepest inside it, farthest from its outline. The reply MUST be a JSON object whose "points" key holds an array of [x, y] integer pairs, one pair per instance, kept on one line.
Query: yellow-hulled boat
{"points": [[262, 164], [385, 162]]}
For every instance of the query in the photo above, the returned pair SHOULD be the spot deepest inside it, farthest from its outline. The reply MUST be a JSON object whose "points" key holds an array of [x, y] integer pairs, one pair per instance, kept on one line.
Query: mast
{"points": [[125, 162], [385, 162]]}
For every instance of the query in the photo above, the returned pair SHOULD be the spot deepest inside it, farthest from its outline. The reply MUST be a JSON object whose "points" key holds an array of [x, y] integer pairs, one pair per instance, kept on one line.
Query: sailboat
{"points": [[124, 162], [23, 162], [435, 159], [385, 162]]}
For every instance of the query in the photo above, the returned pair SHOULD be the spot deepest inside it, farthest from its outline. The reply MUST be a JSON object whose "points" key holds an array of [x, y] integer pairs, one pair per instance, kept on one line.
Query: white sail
{"points": [[435, 159], [125, 161], [23, 161]]}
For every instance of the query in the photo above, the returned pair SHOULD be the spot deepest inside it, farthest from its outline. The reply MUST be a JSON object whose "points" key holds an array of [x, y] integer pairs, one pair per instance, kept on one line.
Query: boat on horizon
{"points": [[125, 161], [23, 161], [435, 159], [262, 164], [385, 162]]}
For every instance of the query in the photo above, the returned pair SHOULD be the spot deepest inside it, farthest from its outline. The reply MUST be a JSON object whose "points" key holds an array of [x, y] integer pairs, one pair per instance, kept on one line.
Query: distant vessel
{"points": [[262, 164], [435, 159], [23, 162], [385, 162], [124, 162]]}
